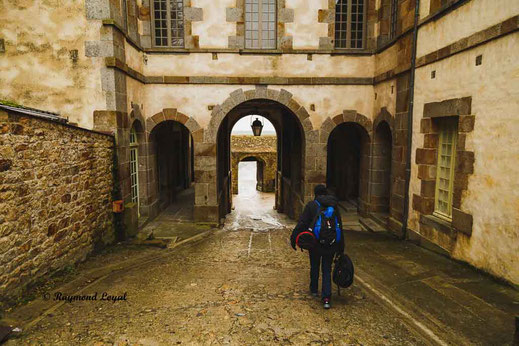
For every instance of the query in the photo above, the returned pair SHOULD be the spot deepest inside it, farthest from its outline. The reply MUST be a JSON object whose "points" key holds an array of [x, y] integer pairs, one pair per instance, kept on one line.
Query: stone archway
{"points": [[360, 126], [384, 115], [195, 131], [265, 179], [209, 195]]}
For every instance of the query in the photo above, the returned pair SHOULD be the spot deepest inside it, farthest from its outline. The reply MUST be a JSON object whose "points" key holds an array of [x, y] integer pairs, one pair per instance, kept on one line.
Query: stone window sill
{"points": [[439, 224]]}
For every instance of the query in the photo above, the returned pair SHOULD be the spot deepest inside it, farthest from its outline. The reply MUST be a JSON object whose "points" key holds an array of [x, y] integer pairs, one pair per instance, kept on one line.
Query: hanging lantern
{"points": [[257, 127]]}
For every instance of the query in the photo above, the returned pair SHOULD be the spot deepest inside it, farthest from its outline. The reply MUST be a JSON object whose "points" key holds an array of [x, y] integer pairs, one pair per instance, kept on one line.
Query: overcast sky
{"points": [[242, 127]]}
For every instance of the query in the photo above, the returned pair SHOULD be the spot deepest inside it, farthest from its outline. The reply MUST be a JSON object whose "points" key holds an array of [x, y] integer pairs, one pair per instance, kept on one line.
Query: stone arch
{"points": [[265, 159], [207, 200], [348, 116], [196, 135], [383, 115], [239, 96], [366, 126], [136, 115], [173, 114]]}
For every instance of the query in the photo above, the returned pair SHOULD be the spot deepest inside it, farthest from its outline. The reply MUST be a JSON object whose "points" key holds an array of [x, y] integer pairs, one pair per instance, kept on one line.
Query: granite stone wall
{"points": [[55, 198]]}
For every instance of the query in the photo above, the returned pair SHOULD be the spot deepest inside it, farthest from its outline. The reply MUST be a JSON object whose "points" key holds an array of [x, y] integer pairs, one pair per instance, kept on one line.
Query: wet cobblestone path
{"points": [[244, 285], [221, 291]]}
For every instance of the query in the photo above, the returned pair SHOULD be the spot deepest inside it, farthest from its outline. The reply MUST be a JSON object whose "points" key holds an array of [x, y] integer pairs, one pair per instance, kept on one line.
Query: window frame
{"points": [[446, 125], [124, 10], [134, 167], [260, 26], [168, 26], [348, 27], [393, 19]]}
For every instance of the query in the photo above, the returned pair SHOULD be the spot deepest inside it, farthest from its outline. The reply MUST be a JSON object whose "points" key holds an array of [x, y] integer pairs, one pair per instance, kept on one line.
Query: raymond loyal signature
{"points": [[104, 296]]}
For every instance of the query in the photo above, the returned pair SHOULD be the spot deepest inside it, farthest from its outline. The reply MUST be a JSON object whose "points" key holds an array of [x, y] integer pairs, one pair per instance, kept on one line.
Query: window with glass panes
{"points": [[124, 7], [445, 167], [134, 167], [260, 24], [168, 20], [349, 23], [394, 17]]}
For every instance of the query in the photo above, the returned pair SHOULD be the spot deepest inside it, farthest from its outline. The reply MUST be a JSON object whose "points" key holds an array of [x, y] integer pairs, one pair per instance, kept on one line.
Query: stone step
{"points": [[371, 226]]}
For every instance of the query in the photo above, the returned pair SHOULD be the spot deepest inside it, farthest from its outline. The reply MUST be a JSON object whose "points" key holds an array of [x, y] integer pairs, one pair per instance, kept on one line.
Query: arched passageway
{"points": [[290, 155], [381, 170], [265, 181], [172, 167], [347, 165]]}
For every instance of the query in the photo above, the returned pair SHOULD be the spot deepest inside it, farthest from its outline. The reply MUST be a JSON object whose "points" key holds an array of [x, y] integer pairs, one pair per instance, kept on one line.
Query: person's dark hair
{"points": [[320, 190]]}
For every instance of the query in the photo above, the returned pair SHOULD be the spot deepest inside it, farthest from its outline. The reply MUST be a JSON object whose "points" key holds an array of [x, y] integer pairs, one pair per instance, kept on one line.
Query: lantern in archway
{"points": [[257, 127]]}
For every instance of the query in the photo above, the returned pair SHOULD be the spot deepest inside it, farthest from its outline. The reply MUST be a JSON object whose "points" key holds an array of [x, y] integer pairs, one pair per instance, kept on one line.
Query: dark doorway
{"points": [[347, 164], [172, 146], [381, 170]]}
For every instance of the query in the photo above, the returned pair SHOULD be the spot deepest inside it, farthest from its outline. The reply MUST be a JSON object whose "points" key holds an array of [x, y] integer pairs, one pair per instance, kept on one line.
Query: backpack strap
{"points": [[315, 226], [337, 229]]}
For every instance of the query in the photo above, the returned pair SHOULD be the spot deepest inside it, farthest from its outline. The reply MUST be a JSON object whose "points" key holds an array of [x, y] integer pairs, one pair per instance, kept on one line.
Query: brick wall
{"points": [[55, 197]]}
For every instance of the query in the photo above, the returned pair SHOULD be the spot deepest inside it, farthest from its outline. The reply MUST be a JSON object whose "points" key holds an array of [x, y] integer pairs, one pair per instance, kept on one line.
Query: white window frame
{"points": [[134, 168], [262, 24], [445, 167], [168, 26], [348, 22]]}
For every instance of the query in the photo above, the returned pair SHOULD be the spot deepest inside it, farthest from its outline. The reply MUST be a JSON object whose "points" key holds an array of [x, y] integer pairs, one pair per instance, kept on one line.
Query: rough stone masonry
{"points": [[55, 188]]}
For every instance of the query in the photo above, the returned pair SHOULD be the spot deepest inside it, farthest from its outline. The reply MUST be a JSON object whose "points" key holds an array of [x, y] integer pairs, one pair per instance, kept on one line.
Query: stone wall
{"points": [[264, 150], [55, 192]]}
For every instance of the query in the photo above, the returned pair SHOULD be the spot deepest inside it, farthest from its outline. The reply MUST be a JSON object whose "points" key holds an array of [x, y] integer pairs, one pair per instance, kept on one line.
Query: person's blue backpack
{"points": [[326, 226]]}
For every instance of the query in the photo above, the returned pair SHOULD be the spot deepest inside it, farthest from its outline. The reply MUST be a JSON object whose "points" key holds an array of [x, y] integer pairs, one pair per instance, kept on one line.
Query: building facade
{"points": [[404, 107]]}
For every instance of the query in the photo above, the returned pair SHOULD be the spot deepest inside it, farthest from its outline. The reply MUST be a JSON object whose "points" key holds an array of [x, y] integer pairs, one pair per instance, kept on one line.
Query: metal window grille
{"points": [[168, 18], [349, 23], [134, 167], [445, 168], [260, 24], [394, 18]]}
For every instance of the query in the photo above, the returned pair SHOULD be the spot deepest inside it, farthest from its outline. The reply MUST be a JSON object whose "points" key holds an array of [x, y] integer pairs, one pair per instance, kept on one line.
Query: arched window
{"points": [[168, 23], [134, 167], [260, 24], [349, 23]]}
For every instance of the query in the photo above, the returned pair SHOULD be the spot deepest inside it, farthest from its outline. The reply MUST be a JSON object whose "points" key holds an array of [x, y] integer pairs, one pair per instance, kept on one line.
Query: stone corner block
{"points": [[286, 43], [326, 16], [234, 14], [286, 15], [193, 14], [97, 9], [325, 43], [236, 42]]}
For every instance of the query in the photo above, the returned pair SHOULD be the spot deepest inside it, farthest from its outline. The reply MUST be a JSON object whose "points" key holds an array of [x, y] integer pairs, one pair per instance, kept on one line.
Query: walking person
{"points": [[321, 219]]}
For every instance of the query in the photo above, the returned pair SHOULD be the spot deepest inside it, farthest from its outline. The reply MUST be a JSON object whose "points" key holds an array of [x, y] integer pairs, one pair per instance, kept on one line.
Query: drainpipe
{"points": [[410, 120]]}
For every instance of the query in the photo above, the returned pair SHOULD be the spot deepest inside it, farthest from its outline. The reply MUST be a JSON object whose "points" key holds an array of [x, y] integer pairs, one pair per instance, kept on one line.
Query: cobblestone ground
{"points": [[241, 285], [238, 287]]}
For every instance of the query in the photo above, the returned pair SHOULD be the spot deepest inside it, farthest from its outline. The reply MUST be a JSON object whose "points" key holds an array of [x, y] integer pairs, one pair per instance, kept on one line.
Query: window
{"points": [[445, 169], [394, 18], [168, 19], [349, 23], [260, 24], [134, 167], [124, 7]]}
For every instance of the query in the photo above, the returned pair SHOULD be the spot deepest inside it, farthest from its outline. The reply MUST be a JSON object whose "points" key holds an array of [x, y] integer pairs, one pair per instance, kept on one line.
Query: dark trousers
{"points": [[325, 262]]}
